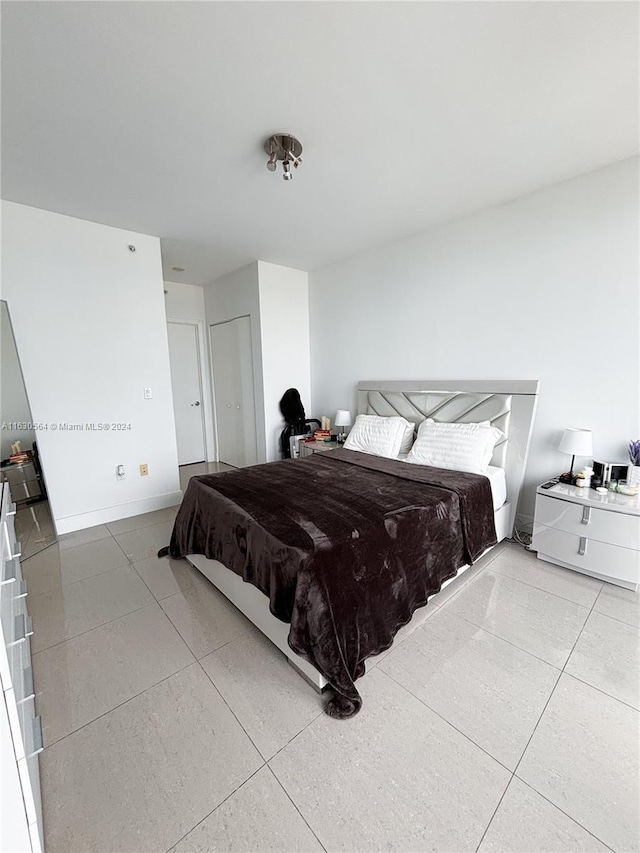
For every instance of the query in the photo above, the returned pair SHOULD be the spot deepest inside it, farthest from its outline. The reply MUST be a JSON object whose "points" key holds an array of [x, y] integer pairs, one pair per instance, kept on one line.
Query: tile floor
{"points": [[507, 721]]}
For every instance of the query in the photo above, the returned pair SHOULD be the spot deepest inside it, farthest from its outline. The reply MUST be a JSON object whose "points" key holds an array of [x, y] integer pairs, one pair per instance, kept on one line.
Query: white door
{"points": [[184, 353], [232, 364]]}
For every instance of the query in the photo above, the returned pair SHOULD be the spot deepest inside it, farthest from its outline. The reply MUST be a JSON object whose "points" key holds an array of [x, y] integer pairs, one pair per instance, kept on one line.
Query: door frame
{"points": [[209, 435]]}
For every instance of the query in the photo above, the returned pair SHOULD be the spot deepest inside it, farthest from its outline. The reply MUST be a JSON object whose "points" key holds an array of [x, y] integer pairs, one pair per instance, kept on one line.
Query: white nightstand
{"points": [[596, 534]]}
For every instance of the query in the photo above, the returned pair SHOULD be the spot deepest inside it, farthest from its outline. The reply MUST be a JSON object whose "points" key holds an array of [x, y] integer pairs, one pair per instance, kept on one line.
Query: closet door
{"points": [[232, 365]]}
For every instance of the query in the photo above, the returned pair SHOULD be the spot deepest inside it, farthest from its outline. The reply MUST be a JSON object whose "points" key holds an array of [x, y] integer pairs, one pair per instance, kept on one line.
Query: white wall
{"points": [[237, 295], [544, 287], [90, 327], [185, 303], [284, 322]]}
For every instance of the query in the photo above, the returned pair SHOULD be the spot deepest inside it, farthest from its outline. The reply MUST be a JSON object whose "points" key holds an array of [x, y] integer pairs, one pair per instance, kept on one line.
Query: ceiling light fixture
{"points": [[282, 146]]}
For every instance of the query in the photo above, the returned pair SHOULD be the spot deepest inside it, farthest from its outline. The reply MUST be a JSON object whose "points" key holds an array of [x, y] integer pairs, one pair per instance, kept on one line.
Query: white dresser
{"points": [[596, 534], [20, 729]]}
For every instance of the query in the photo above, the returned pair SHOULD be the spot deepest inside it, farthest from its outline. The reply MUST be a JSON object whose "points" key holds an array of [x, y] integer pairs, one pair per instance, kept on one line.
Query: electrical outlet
{"points": [[119, 472], [144, 470]]}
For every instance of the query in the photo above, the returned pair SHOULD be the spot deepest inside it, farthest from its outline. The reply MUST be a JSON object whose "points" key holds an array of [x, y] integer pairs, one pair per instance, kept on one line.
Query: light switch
{"points": [[148, 394]]}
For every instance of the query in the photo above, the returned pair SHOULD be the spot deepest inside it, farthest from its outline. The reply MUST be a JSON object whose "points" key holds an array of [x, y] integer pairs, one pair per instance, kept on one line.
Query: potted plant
{"points": [[634, 455]]}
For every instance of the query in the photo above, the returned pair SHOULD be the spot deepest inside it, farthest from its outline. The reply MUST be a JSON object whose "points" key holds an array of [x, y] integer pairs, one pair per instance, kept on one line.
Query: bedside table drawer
{"points": [[586, 520], [600, 558]]}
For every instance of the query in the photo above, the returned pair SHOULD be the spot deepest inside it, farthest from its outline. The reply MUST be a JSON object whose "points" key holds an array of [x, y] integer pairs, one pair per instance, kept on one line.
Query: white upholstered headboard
{"points": [[508, 404]]}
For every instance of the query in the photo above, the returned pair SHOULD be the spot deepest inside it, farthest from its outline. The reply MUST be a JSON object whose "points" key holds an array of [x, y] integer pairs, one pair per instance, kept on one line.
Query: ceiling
{"points": [[151, 116]]}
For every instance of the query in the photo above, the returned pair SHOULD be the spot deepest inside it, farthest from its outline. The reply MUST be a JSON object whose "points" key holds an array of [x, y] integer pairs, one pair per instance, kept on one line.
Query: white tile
{"points": [[165, 576], [540, 623], [141, 777], [526, 822], [42, 571], [257, 817], [271, 701], [57, 567], [34, 523], [146, 542], [83, 678], [136, 522], [419, 618], [35, 529], [36, 542], [78, 607], [394, 777], [607, 656], [82, 537], [583, 757], [487, 688], [622, 604], [204, 618], [466, 575], [524, 566]]}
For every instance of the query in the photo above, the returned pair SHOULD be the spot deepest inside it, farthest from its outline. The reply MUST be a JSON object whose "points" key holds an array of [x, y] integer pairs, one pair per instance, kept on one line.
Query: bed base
{"points": [[255, 605]]}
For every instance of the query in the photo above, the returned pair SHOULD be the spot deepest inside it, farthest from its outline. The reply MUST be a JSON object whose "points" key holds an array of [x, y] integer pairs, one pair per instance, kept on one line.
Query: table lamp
{"points": [[577, 442], [342, 419]]}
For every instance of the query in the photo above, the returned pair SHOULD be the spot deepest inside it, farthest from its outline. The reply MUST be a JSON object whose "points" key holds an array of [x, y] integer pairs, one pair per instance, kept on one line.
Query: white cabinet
{"points": [[596, 534], [20, 729]]}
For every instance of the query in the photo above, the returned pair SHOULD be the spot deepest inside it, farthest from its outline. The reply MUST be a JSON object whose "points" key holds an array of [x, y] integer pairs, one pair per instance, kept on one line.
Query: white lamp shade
{"points": [[343, 417], [577, 442]]}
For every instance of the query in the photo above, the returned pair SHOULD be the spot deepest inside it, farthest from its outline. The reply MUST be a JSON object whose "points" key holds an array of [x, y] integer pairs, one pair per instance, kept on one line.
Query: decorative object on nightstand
{"points": [[610, 472], [595, 533], [342, 420], [577, 442]]}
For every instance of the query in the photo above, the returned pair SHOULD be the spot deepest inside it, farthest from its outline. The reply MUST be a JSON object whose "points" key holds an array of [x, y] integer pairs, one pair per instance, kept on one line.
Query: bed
{"points": [[330, 555]]}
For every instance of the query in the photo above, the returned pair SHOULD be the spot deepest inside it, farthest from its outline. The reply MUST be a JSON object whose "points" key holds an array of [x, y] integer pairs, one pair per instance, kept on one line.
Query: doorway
{"points": [[232, 367], [186, 382]]}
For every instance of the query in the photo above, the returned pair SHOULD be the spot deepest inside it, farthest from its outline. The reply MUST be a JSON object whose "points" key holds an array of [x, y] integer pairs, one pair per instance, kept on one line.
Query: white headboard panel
{"points": [[508, 404]]}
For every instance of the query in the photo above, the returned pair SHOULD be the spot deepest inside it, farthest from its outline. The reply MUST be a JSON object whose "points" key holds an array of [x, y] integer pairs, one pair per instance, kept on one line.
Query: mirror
{"points": [[20, 460]]}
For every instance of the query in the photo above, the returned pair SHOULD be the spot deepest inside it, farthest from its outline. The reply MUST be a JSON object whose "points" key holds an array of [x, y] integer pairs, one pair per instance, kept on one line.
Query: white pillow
{"points": [[378, 436], [460, 447], [407, 440]]}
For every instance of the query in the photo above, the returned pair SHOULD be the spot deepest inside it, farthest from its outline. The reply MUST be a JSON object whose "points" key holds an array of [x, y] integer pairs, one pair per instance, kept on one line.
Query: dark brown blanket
{"points": [[345, 545]]}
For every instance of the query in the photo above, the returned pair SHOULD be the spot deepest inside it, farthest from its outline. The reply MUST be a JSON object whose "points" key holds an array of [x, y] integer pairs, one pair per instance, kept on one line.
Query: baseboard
{"points": [[114, 513]]}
